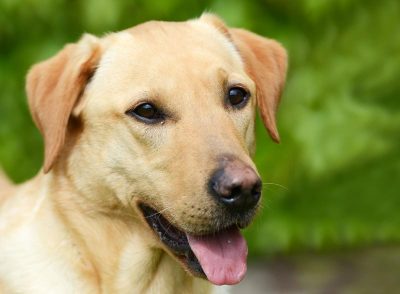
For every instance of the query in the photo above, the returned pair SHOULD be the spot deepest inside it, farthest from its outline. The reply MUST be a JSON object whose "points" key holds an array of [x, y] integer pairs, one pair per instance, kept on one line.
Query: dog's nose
{"points": [[236, 185]]}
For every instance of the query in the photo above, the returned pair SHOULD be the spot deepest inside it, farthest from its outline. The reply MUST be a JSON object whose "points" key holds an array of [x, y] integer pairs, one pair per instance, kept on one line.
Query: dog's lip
{"points": [[173, 238], [219, 256]]}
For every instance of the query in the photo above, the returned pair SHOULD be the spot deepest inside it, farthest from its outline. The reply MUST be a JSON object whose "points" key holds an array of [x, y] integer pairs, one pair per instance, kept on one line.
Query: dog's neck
{"points": [[116, 252]]}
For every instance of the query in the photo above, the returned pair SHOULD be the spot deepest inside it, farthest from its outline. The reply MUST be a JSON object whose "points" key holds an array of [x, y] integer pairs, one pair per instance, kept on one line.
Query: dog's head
{"points": [[159, 120]]}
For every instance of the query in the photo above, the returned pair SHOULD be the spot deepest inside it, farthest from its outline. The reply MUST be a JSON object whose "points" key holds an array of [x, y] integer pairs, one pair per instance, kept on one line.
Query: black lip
{"points": [[173, 238]]}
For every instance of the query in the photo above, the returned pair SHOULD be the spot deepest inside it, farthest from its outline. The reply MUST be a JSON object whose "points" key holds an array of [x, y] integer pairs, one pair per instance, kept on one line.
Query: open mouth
{"points": [[219, 257]]}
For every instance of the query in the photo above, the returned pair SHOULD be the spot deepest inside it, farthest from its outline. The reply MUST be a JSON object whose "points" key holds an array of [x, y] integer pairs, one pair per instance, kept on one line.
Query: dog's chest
{"points": [[45, 265]]}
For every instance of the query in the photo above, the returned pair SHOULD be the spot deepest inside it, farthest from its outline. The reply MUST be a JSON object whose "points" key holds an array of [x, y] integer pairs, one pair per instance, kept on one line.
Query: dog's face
{"points": [[165, 127]]}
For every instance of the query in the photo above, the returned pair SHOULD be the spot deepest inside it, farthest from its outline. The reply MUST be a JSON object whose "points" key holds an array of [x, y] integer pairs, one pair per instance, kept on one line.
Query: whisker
{"points": [[149, 216], [278, 185], [169, 226], [158, 213]]}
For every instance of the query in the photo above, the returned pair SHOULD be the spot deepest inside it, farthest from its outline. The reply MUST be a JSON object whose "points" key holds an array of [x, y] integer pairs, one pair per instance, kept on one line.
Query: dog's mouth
{"points": [[219, 257]]}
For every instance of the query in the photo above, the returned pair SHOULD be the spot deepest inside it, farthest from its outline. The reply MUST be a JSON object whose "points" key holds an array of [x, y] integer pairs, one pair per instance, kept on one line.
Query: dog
{"points": [[147, 176]]}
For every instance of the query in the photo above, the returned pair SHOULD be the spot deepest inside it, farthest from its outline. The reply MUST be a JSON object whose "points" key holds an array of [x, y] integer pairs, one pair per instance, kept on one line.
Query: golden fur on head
{"points": [[77, 227]]}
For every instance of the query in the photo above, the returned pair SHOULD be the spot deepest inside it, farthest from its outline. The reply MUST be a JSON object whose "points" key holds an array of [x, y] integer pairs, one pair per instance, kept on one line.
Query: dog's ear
{"points": [[54, 87], [266, 64]]}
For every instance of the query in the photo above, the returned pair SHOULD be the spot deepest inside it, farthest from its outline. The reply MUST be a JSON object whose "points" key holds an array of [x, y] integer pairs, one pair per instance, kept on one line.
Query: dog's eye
{"points": [[238, 97], [147, 113]]}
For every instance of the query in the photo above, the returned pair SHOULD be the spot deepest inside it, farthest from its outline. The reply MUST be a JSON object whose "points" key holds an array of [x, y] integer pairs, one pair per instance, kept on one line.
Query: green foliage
{"points": [[338, 166]]}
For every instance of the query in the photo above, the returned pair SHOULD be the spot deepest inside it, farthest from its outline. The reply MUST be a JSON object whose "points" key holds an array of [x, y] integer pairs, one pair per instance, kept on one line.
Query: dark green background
{"points": [[337, 169]]}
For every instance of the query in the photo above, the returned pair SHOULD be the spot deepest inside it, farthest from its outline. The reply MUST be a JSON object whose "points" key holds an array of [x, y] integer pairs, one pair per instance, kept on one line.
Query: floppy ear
{"points": [[266, 64], [54, 87]]}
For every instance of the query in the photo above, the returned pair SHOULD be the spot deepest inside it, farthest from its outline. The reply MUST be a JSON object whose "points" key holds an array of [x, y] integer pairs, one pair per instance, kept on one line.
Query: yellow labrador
{"points": [[147, 175]]}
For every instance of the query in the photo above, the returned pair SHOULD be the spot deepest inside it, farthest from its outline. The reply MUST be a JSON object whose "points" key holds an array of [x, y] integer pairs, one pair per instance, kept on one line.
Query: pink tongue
{"points": [[222, 256]]}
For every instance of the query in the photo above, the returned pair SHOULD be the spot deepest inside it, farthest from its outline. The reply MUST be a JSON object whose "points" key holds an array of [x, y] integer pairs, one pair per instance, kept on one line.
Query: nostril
{"points": [[236, 191], [256, 191], [257, 188]]}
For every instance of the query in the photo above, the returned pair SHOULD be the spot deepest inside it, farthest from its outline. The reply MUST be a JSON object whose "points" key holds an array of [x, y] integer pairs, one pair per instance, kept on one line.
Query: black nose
{"points": [[236, 185]]}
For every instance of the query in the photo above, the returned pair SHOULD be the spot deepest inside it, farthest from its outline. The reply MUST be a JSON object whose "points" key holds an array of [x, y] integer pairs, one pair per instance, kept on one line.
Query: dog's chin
{"points": [[173, 238], [217, 254]]}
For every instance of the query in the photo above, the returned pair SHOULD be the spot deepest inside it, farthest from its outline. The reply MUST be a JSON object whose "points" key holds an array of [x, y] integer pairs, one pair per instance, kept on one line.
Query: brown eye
{"points": [[238, 97], [146, 112]]}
